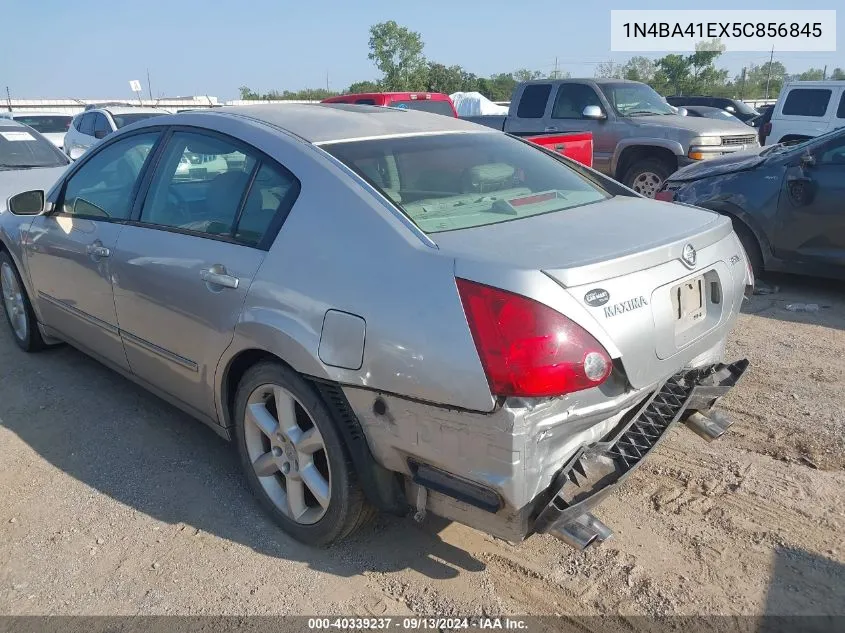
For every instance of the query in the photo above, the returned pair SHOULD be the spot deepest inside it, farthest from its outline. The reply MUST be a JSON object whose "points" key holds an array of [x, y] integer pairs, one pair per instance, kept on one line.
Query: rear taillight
{"points": [[766, 129], [526, 348], [665, 195]]}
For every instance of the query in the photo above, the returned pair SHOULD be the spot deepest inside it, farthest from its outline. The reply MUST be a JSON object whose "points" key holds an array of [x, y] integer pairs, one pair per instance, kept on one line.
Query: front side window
{"points": [[20, 148], [572, 99], [840, 111], [104, 185], [833, 153], [202, 185], [806, 102], [458, 181], [86, 126], [635, 99], [101, 125]]}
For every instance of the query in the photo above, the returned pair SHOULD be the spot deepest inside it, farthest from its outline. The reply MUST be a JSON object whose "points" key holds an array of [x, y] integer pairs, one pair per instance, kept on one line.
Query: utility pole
{"points": [[824, 72], [769, 74], [742, 85], [149, 85], [556, 74], [8, 99]]}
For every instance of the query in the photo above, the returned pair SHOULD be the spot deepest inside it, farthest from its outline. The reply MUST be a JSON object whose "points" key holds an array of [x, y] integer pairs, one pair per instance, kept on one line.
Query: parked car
{"points": [[27, 159], [638, 138], [711, 113], [94, 124], [52, 125], [785, 203], [435, 102], [736, 107], [805, 109], [388, 309], [575, 145]]}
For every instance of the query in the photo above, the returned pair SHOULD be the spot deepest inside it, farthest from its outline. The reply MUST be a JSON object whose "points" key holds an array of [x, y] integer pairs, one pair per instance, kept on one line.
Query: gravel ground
{"points": [[112, 502]]}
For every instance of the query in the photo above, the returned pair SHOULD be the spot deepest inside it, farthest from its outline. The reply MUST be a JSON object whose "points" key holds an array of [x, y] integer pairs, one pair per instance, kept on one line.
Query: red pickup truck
{"points": [[575, 145]]}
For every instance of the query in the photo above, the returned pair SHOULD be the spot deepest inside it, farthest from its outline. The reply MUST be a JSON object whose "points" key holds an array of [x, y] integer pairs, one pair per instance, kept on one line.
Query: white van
{"points": [[806, 109]]}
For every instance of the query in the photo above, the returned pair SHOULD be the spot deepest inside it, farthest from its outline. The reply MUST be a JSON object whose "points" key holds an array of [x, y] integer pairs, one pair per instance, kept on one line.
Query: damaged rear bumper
{"points": [[592, 473]]}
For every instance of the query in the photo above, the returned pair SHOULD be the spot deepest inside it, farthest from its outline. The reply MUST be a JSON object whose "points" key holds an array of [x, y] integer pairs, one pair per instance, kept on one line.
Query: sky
{"points": [[91, 49]]}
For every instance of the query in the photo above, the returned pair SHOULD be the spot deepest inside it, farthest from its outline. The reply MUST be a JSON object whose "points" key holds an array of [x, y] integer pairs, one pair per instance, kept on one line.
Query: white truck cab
{"points": [[806, 109]]}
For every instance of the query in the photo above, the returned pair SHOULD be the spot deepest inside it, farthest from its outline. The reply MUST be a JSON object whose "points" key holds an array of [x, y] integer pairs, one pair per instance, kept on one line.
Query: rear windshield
{"points": [[743, 108], [424, 105], [46, 124], [121, 120], [22, 149], [446, 182]]}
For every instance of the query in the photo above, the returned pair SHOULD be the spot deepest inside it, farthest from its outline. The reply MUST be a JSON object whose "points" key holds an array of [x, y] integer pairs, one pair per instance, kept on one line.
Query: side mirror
{"points": [[593, 112], [100, 133], [27, 203], [807, 160], [683, 112], [730, 109], [76, 153]]}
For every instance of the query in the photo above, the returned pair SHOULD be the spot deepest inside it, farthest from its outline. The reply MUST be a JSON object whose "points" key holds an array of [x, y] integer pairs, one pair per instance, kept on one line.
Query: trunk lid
{"points": [[622, 263]]}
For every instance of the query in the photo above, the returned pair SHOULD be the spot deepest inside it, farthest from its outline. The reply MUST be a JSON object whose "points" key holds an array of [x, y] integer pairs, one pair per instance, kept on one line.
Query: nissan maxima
{"points": [[386, 309]]}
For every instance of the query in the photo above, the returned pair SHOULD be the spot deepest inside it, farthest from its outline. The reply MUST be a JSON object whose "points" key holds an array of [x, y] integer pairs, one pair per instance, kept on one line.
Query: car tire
{"points": [[300, 470], [647, 176], [17, 307]]}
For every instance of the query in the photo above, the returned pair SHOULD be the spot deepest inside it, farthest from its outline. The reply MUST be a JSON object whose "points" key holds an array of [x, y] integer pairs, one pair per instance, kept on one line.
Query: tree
{"points": [[247, 93], [363, 86], [675, 72], [639, 68], [838, 73], [398, 53], [523, 74], [609, 70], [773, 73], [448, 79], [811, 74]]}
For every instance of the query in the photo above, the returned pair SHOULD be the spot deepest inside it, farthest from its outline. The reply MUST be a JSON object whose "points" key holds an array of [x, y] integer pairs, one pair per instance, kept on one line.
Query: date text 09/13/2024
{"points": [[417, 623]]}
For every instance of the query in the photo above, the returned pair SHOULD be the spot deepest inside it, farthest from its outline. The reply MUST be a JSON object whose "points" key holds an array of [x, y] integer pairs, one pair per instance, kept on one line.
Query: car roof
{"points": [[15, 113], [130, 110], [325, 122]]}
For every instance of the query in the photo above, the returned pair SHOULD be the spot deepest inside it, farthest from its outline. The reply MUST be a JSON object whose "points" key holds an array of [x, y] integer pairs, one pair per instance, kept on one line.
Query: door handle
{"points": [[215, 278], [97, 250], [551, 129]]}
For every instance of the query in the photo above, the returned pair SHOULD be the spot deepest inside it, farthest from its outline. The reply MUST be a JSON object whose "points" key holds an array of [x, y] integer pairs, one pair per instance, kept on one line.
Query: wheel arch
{"points": [[381, 486], [738, 215], [627, 153]]}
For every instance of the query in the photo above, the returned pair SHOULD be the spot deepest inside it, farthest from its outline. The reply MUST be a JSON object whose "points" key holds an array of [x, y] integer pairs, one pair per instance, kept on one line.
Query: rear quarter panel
{"points": [[342, 248]]}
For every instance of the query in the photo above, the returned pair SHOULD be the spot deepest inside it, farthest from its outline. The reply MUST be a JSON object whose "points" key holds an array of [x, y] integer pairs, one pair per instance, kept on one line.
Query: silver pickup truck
{"points": [[638, 138]]}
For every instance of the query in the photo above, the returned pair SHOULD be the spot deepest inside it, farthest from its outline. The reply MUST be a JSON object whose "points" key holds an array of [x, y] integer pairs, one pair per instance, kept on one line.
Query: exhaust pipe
{"points": [[582, 532], [711, 426]]}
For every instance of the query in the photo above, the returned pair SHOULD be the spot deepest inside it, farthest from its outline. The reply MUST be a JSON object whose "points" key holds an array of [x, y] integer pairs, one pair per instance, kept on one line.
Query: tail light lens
{"points": [[526, 348], [665, 195], [766, 129]]}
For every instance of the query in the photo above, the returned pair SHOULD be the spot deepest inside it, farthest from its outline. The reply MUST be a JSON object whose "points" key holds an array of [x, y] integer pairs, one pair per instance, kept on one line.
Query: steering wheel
{"points": [[177, 207]]}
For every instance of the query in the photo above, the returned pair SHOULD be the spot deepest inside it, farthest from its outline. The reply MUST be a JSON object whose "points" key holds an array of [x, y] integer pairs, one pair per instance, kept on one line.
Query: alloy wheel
{"points": [[14, 302], [287, 453]]}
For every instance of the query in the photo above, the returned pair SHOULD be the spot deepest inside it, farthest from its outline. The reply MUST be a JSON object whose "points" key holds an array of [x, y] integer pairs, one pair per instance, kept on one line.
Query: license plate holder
{"points": [[688, 301]]}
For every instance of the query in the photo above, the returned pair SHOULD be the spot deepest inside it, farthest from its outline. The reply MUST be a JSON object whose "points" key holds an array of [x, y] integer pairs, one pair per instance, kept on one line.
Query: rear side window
{"points": [[532, 104], [840, 112], [365, 101], [807, 102]]}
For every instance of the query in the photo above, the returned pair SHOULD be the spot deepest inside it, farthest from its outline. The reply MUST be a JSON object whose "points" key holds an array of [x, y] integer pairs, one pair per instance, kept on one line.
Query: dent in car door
{"points": [[70, 251], [810, 208], [183, 271]]}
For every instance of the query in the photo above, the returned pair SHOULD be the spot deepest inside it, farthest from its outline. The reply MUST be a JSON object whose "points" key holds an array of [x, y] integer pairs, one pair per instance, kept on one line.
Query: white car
{"points": [[806, 109], [90, 127], [51, 125]]}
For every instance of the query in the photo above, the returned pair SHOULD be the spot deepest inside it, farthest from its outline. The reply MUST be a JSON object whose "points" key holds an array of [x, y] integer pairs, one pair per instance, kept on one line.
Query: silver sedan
{"points": [[386, 309]]}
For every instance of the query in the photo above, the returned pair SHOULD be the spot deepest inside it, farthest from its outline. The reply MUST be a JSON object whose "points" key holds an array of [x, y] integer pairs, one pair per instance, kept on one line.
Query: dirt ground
{"points": [[112, 502]]}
